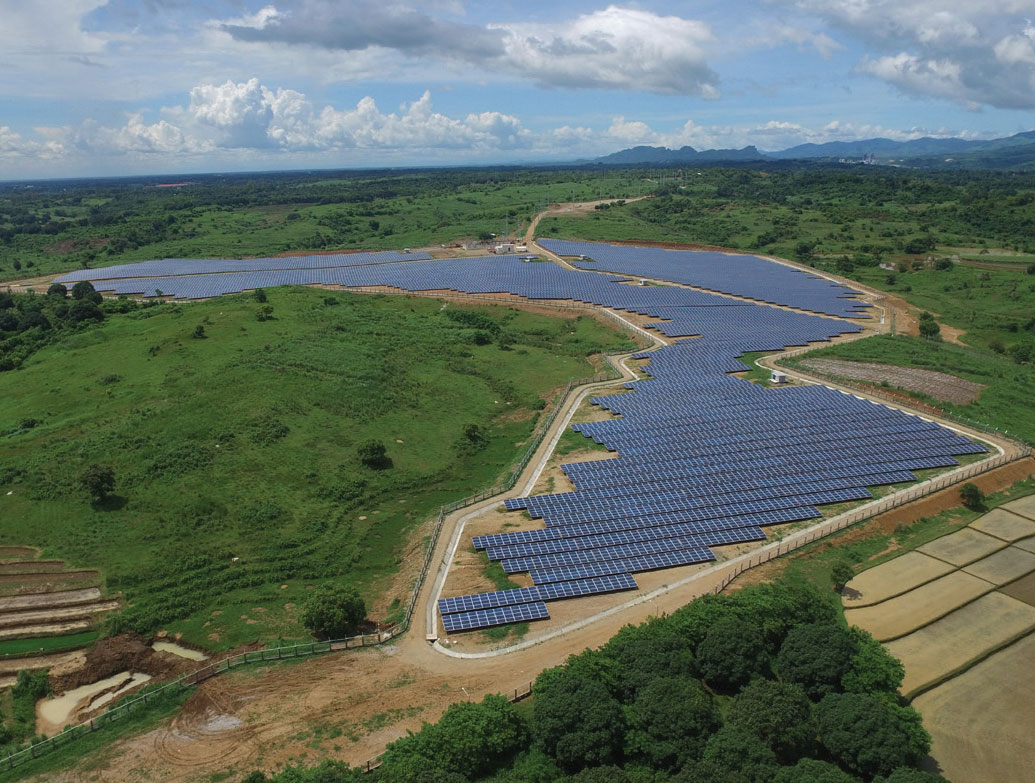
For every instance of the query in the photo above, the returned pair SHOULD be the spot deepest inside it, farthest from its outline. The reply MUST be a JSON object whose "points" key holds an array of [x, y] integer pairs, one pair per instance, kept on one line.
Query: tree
{"points": [[804, 251], [816, 657], [779, 713], [98, 480], [264, 313], [373, 454], [84, 290], [735, 749], [813, 771], [33, 319], [469, 739], [841, 573], [472, 439], [199, 332], [872, 669], [868, 735], [670, 721], [333, 611], [972, 496], [928, 327], [84, 310], [260, 295], [910, 775], [643, 659], [576, 720], [56, 289], [731, 654]]}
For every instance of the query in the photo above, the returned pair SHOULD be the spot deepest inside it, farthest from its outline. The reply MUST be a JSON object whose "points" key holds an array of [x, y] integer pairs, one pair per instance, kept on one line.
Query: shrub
{"points": [[972, 496], [374, 455], [333, 611]]}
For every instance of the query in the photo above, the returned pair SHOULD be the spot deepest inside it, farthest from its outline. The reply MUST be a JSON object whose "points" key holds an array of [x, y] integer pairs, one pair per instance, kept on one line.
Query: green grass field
{"points": [[243, 444], [10, 648]]}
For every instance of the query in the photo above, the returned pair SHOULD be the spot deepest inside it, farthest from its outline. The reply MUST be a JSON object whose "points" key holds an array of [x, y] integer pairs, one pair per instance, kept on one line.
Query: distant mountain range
{"points": [[1013, 152]]}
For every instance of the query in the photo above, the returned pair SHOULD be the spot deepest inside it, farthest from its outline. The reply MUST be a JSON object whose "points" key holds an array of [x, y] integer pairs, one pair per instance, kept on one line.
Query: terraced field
{"points": [[959, 612]]}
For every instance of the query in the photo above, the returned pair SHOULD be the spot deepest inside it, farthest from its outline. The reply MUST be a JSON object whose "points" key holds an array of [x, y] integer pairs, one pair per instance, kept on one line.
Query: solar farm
{"points": [[704, 459]]}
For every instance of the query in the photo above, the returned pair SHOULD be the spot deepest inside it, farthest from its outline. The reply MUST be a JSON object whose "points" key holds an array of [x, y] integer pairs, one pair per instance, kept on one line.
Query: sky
{"points": [[126, 87]]}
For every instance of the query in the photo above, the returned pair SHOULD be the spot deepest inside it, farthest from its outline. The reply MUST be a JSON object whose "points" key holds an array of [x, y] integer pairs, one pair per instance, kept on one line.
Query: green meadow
{"points": [[244, 444]]}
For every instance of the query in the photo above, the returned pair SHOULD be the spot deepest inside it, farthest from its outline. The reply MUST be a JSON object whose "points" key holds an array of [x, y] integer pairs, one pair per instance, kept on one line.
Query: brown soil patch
{"points": [[59, 663], [15, 603], [962, 547], [18, 553], [49, 579], [1004, 524], [939, 385], [553, 479], [79, 612], [1022, 589], [32, 567], [982, 723], [939, 648], [1003, 566], [893, 578], [927, 603]]}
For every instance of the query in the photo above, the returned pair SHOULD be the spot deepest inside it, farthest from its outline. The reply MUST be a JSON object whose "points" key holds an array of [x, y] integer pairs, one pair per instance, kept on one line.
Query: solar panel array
{"points": [[704, 459], [741, 275]]}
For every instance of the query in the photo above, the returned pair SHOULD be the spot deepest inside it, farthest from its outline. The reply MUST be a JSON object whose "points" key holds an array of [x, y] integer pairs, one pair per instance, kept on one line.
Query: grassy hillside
{"points": [[243, 443]]}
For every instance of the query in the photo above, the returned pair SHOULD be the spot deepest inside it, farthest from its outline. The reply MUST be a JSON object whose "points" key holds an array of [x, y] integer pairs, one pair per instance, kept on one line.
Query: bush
{"points": [[972, 496], [374, 455], [333, 611], [98, 480], [259, 295]]}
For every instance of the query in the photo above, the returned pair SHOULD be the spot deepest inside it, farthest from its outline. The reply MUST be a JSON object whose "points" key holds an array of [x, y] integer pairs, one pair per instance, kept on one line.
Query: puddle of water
{"points": [[58, 709], [138, 678], [176, 649]]}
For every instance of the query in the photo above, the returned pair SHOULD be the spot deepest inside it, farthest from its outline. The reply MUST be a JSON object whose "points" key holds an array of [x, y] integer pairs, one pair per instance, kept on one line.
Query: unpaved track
{"points": [[263, 719]]}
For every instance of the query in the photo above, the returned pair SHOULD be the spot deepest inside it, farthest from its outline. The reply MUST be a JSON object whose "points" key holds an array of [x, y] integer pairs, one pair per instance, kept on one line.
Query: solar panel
{"points": [[487, 618]]}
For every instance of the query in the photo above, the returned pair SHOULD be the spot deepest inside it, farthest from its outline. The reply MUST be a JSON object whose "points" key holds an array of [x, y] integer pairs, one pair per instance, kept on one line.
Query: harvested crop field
{"points": [[961, 636], [893, 578], [1022, 589], [962, 547], [1005, 525], [1027, 544], [904, 614], [982, 723], [939, 385], [1023, 506], [1003, 566]]}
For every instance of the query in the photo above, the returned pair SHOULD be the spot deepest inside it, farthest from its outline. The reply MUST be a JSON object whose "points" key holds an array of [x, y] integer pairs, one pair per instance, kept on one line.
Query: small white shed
{"points": [[778, 377]]}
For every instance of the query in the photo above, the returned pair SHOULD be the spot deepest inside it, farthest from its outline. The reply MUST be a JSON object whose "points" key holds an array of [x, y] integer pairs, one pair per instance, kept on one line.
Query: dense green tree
{"points": [[910, 775], [813, 771], [816, 657], [57, 290], [469, 739], [670, 721], [841, 573], [928, 326], [731, 654], [333, 611], [734, 748], [33, 319], [779, 713], [872, 669], [605, 774], [84, 290], [373, 454], [644, 658], [98, 480], [972, 496], [868, 735], [576, 720], [260, 295], [84, 310]]}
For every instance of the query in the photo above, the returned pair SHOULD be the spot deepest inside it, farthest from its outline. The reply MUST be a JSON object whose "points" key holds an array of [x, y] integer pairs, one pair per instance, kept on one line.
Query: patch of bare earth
{"points": [[939, 385]]}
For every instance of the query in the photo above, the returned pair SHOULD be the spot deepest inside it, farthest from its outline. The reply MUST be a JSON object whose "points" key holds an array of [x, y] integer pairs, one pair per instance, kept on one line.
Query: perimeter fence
{"points": [[126, 707]]}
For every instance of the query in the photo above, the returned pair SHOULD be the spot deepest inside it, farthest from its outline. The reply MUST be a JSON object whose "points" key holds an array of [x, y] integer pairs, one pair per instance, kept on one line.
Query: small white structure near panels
{"points": [[777, 377]]}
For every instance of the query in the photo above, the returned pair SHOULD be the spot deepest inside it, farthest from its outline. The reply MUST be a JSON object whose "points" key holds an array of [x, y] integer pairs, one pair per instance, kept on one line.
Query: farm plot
{"points": [[982, 724], [962, 547], [893, 578], [1023, 506], [1005, 525], [1027, 544], [1022, 589], [904, 614], [939, 385], [1003, 566], [961, 636]]}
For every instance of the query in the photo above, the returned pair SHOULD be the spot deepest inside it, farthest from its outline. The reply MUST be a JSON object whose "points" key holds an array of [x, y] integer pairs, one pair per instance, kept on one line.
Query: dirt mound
{"points": [[123, 653]]}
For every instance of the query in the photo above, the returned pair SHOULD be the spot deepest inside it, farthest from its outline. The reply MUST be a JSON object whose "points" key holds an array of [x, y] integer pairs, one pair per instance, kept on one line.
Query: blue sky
{"points": [[89, 87]]}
